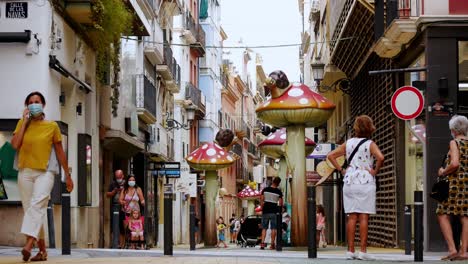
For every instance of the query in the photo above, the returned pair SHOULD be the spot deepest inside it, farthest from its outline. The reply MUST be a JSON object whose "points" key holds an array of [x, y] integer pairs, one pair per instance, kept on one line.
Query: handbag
{"points": [[440, 189]]}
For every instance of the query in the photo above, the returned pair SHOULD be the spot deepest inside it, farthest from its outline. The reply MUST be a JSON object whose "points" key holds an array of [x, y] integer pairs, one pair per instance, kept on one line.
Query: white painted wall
{"points": [[25, 68], [436, 7]]}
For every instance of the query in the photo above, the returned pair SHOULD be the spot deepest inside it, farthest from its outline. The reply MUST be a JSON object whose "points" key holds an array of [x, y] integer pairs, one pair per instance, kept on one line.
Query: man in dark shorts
{"points": [[271, 200], [114, 192]]}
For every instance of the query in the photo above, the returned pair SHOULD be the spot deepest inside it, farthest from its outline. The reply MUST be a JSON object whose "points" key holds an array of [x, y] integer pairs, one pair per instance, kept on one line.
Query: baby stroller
{"points": [[250, 231], [133, 244]]}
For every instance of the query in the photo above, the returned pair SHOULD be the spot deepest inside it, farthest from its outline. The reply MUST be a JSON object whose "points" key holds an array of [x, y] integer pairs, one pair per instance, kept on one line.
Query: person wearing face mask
{"points": [[33, 140], [114, 192], [131, 196]]}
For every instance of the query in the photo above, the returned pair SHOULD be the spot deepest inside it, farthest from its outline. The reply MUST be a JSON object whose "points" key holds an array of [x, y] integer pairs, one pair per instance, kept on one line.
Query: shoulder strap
{"points": [[355, 150]]}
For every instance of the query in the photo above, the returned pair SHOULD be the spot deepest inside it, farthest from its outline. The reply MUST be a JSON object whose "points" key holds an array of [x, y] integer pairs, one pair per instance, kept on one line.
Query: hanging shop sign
{"points": [[166, 169], [16, 10], [321, 151]]}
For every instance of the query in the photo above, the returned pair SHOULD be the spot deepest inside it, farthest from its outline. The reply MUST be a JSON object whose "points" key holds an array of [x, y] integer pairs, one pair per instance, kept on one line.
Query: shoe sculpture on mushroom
{"points": [[295, 106], [210, 157], [274, 146]]}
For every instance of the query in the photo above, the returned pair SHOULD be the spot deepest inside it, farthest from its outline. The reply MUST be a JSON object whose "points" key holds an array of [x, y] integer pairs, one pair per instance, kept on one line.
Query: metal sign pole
{"points": [[168, 192]]}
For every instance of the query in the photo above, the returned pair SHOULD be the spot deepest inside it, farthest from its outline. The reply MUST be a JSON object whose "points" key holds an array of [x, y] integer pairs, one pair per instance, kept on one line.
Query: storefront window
{"points": [[9, 175], [413, 146], [84, 170], [462, 98]]}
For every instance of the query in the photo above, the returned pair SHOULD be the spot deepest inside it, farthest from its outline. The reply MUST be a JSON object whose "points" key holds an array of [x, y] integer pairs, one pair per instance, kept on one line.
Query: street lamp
{"points": [[174, 124], [318, 71]]}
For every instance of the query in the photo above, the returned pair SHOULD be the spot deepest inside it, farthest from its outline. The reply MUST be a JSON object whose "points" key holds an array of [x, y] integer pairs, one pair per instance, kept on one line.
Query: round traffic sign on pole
{"points": [[407, 102]]}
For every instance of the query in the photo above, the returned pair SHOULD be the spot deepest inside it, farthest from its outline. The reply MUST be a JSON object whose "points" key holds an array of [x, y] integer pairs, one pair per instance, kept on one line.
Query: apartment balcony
{"points": [[401, 18], [199, 46], [145, 99], [169, 70], [190, 29], [153, 50], [253, 151], [79, 10], [171, 7], [195, 95]]}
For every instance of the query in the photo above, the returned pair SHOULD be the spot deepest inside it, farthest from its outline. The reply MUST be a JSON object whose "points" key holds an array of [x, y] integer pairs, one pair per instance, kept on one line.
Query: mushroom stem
{"points": [[282, 173], [295, 152], [250, 207], [211, 183]]}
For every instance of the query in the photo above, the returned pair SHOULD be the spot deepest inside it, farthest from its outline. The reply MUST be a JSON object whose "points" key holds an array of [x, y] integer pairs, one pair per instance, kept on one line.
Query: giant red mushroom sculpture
{"points": [[210, 157], [295, 106], [273, 146], [250, 195]]}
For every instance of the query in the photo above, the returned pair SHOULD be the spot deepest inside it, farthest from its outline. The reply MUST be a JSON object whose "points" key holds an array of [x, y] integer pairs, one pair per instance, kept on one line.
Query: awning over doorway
{"points": [[121, 144]]}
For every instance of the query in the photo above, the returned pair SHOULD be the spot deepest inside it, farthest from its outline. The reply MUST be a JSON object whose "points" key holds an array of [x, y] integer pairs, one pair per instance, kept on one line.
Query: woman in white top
{"points": [[359, 182]]}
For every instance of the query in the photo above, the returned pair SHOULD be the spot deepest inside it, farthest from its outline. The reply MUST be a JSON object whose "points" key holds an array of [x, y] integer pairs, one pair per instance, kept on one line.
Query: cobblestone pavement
{"points": [[231, 255]]}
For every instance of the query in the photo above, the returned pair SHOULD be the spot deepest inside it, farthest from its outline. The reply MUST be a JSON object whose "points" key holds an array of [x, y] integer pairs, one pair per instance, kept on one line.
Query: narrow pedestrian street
{"points": [[234, 255]]}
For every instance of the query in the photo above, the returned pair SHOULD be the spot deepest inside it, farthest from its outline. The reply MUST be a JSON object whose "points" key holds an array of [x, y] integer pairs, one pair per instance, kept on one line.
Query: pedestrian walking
{"points": [[34, 139], [359, 188], [114, 190], [131, 196], [456, 205], [270, 200]]}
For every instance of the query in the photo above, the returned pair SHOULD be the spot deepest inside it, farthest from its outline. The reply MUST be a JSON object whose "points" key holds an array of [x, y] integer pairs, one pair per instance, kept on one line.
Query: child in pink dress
{"points": [[320, 218], [135, 224]]}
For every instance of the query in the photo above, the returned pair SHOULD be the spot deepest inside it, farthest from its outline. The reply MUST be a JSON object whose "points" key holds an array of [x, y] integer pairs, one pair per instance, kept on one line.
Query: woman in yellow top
{"points": [[33, 139]]}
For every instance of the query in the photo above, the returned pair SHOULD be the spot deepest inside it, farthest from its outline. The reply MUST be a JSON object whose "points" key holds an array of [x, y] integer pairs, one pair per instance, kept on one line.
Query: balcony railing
{"points": [[190, 24], [253, 149], [402, 9], [145, 97], [199, 46], [168, 58], [194, 94]]}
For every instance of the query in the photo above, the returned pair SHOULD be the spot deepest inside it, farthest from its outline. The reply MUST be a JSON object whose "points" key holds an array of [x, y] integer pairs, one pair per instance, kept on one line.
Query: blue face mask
{"points": [[35, 109], [131, 183]]}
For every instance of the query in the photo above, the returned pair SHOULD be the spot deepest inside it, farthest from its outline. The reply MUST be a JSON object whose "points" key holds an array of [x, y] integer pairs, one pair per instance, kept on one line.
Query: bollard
{"points": [[192, 227], [279, 230], [50, 224], [115, 225], [311, 222], [168, 219], [418, 226], [407, 229], [66, 240]]}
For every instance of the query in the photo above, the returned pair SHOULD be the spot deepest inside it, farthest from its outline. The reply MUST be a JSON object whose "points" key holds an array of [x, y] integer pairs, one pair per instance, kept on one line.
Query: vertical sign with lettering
{"points": [[16, 10]]}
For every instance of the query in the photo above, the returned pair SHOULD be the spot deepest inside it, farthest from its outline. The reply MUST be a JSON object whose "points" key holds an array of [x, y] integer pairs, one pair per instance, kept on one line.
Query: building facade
{"points": [[349, 39]]}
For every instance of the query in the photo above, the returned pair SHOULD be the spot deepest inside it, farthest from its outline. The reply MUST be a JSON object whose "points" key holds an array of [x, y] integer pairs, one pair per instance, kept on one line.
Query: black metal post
{"points": [[418, 226], [168, 219], [407, 229], [50, 224], [279, 230], [115, 225], [66, 240], [192, 227], [311, 222]]}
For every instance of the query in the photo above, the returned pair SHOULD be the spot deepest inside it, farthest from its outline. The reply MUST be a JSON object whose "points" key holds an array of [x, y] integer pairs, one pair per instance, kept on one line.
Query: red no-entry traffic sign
{"points": [[407, 102]]}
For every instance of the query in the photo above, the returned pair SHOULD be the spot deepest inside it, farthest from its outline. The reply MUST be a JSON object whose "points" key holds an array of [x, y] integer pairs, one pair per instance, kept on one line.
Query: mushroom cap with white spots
{"points": [[298, 105], [272, 145], [210, 156], [248, 193]]}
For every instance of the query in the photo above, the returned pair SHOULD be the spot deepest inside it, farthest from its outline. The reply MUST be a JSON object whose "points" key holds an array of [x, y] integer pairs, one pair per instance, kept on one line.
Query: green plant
{"points": [[111, 19]]}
